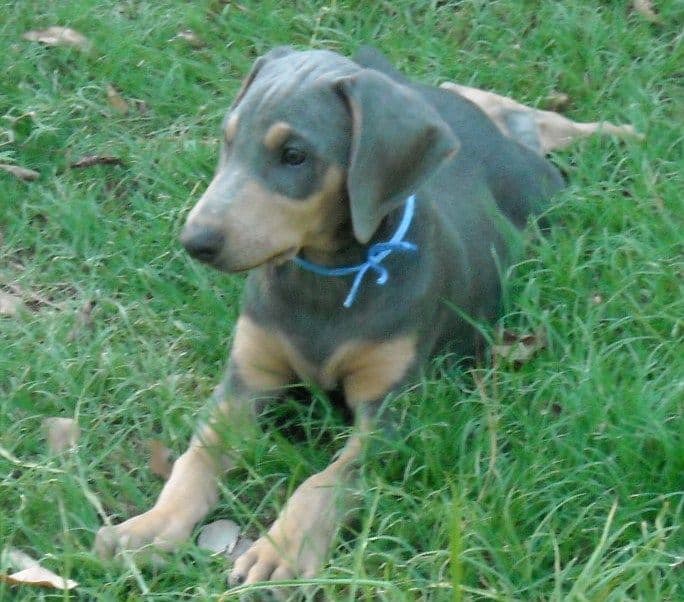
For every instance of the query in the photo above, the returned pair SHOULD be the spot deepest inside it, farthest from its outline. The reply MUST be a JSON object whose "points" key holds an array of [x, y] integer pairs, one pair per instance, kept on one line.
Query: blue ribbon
{"points": [[376, 254]]}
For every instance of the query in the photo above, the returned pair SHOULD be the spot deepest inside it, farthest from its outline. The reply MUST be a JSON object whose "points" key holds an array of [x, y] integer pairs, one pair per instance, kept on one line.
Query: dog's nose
{"points": [[202, 243]]}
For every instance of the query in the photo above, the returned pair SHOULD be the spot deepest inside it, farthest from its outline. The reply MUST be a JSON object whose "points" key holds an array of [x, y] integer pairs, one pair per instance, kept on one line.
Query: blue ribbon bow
{"points": [[376, 254]]}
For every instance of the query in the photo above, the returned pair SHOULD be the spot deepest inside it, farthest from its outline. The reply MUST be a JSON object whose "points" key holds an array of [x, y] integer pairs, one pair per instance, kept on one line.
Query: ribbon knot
{"points": [[375, 255]]}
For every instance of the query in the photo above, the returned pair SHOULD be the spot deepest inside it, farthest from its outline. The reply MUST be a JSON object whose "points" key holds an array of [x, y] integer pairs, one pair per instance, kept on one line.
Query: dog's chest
{"points": [[366, 370], [328, 367], [267, 358], [265, 354]]}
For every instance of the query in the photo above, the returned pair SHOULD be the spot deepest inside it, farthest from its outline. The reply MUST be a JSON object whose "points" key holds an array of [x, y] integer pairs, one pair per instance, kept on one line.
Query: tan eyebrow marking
{"points": [[231, 127], [276, 135]]}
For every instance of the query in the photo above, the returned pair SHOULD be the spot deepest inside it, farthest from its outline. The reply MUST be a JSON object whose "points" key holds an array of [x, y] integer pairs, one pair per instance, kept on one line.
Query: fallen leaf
{"points": [[10, 305], [141, 107], [90, 160], [160, 459], [191, 38], [39, 577], [28, 175], [22, 125], [553, 408], [518, 349], [243, 544], [84, 319], [557, 101], [219, 537], [542, 131], [645, 9], [61, 433], [11, 557], [58, 36], [33, 300], [116, 101]]}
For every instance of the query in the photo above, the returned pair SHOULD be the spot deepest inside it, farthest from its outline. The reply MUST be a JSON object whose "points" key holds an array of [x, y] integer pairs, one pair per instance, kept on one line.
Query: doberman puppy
{"points": [[328, 164]]}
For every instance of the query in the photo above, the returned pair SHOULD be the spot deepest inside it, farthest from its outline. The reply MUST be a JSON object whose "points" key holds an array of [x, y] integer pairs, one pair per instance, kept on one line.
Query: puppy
{"points": [[375, 217]]}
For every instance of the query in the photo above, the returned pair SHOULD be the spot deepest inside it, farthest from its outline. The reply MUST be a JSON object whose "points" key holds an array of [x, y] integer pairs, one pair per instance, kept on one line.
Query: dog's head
{"points": [[316, 152]]}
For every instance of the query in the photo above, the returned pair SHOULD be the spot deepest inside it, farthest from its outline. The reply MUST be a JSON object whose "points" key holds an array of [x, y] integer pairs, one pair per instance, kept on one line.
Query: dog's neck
{"points": [[292, 288], [375, 255], [343, 250]]}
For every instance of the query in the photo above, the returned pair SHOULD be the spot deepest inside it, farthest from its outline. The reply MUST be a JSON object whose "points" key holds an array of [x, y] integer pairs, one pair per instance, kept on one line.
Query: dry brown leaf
{"points": [[557, 101], [38, 576], [84, 319], [10, 305], [116, 101], [141, 106], [543, 131], [90, 160], [32, 299], [28, 175], [11, 557], [645, 9], [160, 459], [58, 36], [518, 349], [219, 537], [61, 433], [191, 38], [554, 409]]}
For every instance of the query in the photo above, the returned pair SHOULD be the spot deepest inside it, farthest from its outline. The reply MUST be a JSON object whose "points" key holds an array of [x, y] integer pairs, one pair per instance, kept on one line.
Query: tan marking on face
{"points": [[231, 127], [260, 357], [276, 135], [260, 225]]}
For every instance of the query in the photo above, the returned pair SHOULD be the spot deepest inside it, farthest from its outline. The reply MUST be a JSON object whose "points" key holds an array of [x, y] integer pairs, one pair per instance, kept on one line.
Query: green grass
{"points": [[559, 481]]}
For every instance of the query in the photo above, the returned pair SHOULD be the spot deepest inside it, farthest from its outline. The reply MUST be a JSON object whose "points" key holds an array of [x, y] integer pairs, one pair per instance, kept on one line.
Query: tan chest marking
{"points": [[366, 370], [259, 357]]}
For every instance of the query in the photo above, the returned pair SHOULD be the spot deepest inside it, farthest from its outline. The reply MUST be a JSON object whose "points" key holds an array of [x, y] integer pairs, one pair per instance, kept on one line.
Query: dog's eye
{"points": [[292, 156]]}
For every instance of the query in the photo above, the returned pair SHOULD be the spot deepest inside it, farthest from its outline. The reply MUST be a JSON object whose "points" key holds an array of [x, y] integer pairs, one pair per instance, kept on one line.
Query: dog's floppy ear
{"points": [[398, 141], [275, 53], [371, 58]]}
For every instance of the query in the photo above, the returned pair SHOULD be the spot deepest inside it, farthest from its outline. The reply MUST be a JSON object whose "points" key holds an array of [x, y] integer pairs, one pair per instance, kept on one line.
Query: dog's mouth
{"points": [[276, 259], [286, 255]]}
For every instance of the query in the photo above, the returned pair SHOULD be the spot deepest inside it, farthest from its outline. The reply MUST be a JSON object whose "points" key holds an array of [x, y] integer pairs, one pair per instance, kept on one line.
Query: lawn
{"points": [[561, 479]]}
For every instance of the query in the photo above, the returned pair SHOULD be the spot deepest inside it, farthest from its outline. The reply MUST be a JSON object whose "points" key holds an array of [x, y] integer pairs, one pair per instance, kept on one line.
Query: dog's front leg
{"points": [[256, 372], [186, 498], [298, 542]]}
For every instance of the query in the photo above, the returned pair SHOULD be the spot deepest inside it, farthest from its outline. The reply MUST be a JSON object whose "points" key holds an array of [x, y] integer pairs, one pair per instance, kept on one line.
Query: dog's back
{"points": [[521, 181]]}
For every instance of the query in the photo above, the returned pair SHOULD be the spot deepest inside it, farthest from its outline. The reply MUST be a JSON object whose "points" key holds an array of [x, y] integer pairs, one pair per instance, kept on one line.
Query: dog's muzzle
{"points": [[202, 243]]}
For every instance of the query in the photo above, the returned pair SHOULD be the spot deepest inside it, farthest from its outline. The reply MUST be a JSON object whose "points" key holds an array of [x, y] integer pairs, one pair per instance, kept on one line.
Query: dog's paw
{"points": [[154, 529], [297, 544], [263, 562]]}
